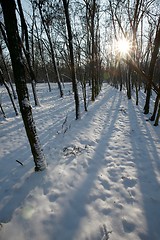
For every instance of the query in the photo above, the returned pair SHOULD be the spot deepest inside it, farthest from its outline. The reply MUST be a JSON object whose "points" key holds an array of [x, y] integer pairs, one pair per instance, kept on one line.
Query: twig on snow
{"points": [[19, 162]]}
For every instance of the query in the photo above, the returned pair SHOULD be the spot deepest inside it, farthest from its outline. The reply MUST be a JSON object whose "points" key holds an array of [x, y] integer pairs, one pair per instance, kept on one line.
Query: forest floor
{"points": [[103, 176]]}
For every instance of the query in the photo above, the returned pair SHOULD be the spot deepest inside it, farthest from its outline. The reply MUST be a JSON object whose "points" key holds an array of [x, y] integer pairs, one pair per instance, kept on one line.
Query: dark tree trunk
{"points": [[137, 97], [6, 42], [148, 96], [157, 117], [9, 92], [152, 118], [92, 15], [151, 67], [128, 83], [70, 39], [120, 76], [9, 78], [15, 49], [84, 90], [56, 71], [2, 111], [42, 57], [27, 53]]}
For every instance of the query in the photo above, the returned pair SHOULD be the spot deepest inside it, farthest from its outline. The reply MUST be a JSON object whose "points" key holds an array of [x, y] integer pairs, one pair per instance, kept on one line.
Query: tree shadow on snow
{"points": [[76, 203], [17, 183], [146, 165]]}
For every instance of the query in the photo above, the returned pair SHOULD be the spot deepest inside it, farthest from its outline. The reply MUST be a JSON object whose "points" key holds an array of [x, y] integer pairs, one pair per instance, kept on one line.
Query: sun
{"points": [[123, 46]]}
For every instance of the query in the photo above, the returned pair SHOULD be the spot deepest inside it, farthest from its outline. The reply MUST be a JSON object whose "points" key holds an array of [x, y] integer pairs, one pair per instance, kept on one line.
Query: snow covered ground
{"points": [[103, 175]]}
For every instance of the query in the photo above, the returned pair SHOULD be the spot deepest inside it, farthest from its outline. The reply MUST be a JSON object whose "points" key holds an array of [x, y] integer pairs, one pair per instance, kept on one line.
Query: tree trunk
{"points": [[148, 96], [152, 66], [93, 49], [70, 39], [27, 53], [4, 63], [52, 52], [152, 118], [84, 90], [44, 65], [14, 43], [9, 93], [157, 117], [9, 78], [42, 58], [137, 97], [3, 113], [128, 83]]}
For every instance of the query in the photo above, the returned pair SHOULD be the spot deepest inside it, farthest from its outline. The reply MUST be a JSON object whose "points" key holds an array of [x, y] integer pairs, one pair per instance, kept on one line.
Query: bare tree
{"points": [[40, 46], [2, 33], [9, 91], [152, 67], [15, 49], [26, 50], [70, 41], [46, 23]]}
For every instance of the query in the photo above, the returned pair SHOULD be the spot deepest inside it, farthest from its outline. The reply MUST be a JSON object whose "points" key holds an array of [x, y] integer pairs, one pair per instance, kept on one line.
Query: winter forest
{"points": [[79, 119]]}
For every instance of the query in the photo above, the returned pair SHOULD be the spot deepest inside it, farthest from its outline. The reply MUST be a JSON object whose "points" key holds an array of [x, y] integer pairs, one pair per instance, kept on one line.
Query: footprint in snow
{"points": [[105, 184], [129, 182], [128, 226], [54, 196]]}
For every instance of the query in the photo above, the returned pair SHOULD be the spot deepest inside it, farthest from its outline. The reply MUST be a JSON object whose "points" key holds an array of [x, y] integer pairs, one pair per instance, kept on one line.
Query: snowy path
{"points": [[102, 170]]}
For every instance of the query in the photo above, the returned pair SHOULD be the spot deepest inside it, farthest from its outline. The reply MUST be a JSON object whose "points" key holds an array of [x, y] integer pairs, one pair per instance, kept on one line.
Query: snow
{"points": [[26, 103], [103, 174]]}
